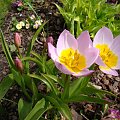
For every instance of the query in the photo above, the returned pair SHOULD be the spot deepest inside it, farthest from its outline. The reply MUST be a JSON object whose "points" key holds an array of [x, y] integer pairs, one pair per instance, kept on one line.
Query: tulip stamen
{"points": [[73, 60], [108, 57]]}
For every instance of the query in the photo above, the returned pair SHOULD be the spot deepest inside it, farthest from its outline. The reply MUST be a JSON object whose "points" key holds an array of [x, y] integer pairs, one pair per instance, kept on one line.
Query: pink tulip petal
{"points": [[90, 43], [66, 40], [107, 70], [62, 68], [52, 52], [83, 41], [83, 73], [118, 65], [99, 61], [103, 36], [115, 48], [91, 55]]}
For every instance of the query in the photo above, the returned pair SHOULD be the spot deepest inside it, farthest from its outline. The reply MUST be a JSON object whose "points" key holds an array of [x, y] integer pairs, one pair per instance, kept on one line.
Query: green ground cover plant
{"points": [[90, 15]]}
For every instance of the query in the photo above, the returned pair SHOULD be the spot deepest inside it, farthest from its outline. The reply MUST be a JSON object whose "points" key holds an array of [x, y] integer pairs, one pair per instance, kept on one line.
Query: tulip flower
{"points": [[109, 51], [73, 56], [17, 40]]}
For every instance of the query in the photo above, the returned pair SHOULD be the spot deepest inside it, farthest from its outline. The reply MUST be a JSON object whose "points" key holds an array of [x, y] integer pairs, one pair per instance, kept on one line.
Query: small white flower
{"points": [[22, 23], [18, 26], [27, 26], [35, 26], [32, 17], [41, 21], [38, 22], [27, 21]]}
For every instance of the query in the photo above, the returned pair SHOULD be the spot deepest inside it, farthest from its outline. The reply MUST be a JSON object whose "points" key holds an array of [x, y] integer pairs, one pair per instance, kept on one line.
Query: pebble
{"points": [[117, 79]]}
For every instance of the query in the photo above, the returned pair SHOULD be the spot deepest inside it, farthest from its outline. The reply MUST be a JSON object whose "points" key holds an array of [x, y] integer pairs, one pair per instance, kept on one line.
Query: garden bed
{"points": [[55, 25]]}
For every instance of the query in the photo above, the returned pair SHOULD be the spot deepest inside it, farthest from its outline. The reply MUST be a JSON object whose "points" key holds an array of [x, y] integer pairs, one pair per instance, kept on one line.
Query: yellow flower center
{"points": [[73, 60], [108, 57]]}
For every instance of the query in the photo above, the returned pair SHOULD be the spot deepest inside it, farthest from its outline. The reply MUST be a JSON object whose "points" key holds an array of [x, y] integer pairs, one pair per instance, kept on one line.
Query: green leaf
{"points": [[44, 63], [50, 67], [41, 79], [30, 5], [21, 82], [32, 59], [23, 108], [65, 94], [52, 84], [54, 78], [38, 56], [17, 77], [5, 84], [61, 106], [35, 92], [31, 45], [78, 85], [92, 90], [85, 98], [34, 39], [12, 48], [37, 111], [6, 50], [28, 81]]}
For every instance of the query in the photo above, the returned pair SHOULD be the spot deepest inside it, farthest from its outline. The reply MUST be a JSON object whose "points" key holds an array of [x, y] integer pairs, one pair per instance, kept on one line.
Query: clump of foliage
{"points": [[90, 15], [4, 5]]}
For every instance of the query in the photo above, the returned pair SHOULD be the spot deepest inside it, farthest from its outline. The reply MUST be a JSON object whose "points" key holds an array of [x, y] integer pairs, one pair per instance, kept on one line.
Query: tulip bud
{"points": [[17, 4], [18, 64], [20, 3], [17, 40], [48, 40]]}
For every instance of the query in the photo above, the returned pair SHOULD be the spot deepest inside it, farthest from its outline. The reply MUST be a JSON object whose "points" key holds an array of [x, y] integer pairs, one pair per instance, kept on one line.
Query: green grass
{"points": [[4, 7]]}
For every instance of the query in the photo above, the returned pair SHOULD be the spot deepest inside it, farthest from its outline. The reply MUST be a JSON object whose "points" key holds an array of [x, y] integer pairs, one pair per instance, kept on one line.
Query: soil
{"points": [[48, 11]]}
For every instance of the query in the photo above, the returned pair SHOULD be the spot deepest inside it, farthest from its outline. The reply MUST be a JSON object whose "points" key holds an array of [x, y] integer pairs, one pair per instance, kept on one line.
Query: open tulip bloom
{"points": [[109, 48], [73, 56]]}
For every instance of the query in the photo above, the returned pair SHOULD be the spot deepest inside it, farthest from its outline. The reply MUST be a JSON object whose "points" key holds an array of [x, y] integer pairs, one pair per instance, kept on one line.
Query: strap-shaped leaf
{"points": [[78, 85], [93, 90], [50, 84], [37, 111], [31, 45], [32, 59], [62, 107], [5, 84], [85, 98], [54, 78], [34, 38], [38, 56], [23, 108], [50, 81], [6, 50]]}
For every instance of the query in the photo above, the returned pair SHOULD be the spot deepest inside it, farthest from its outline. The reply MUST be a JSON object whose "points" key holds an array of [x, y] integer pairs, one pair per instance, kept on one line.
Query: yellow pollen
{"points": [[108, 57], [73, 60]]}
